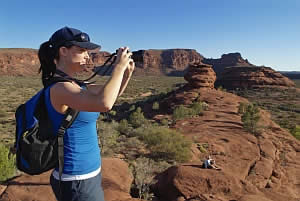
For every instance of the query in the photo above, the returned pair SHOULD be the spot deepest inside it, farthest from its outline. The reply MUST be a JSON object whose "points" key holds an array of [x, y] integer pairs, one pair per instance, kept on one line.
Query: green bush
{"points": [[155, 106], [197, 108], [165, 143], [250, 119], [108, 135], [296, 132], [123, 127], [137, 119], [181, 112], [7, 164], [164, 122], [242, 108]]}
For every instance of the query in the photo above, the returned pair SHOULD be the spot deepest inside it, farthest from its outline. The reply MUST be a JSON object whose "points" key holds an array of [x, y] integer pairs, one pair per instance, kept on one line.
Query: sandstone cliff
{"points": [[227, 60], [165, 62], [18, 61], [252, 77]]}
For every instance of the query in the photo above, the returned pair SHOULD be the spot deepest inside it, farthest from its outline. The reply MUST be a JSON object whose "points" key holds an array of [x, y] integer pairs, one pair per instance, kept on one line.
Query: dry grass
{"points": [[17, 90]]}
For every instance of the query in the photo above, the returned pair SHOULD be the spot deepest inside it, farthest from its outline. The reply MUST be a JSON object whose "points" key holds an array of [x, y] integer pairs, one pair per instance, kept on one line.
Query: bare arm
{"points": [[66, 94], [126, 77]]}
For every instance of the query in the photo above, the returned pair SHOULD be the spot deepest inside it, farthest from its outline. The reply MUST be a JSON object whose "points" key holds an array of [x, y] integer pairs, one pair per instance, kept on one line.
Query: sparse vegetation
{"points": [[283, 104], [155, 106], [7, 163], [137, 119], [182, 112], [108, 136], [250, 118], [165, 143]]}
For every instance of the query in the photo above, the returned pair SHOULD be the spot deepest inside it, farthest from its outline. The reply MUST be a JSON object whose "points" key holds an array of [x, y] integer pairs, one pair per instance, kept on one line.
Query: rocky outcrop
{"points": [[252, 77], [24, 62], [200, 75], [227, 60], [165, 62], [18, 61], [254, 167], [116, 182], [98, 58]]}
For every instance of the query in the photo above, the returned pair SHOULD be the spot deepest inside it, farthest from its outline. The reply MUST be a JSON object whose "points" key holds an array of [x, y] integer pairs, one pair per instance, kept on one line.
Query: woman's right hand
{"points": [[123, 58]]}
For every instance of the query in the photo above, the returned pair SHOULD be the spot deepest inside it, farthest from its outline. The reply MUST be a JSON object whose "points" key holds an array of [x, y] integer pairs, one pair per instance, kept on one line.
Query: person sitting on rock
{"points": [[210, 163]]}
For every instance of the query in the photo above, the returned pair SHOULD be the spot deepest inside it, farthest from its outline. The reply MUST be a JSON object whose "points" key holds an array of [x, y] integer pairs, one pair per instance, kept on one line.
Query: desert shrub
{"points": [[7, 163], [143, 177], [197, 108], [137, 119], [164, 122], [296, 132], [250, 119], [112, 112], [144, 171], [155, 106], [165, 143], [132, 108], [181, 112], [242, 108], [108, 135], [123, 127]]}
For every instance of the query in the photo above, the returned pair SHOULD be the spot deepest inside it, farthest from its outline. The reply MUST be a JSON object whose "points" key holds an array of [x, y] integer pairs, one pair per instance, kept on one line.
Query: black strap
{"points": [[69, 118], [67, 121], [65, 76]]}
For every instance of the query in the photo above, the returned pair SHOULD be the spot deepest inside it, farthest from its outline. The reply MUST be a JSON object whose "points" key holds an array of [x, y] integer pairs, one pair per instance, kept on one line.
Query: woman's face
{"points": [[75, 57]]}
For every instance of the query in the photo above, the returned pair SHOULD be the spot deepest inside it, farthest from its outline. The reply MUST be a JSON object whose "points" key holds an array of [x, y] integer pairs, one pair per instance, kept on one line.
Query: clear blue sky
{"points": [[266, 32]]}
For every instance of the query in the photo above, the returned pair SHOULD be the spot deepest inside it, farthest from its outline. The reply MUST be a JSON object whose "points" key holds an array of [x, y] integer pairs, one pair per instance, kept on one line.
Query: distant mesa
{"points": [[252, 77], [18, 61], [232, 70], [171, 62], [227, 60]]}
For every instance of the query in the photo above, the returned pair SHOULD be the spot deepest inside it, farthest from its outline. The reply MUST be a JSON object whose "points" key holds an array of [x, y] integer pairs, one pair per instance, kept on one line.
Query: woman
{"points": [[65, 54]]}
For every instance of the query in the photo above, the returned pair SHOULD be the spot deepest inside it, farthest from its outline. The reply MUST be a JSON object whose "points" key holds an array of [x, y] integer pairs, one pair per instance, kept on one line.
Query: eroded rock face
{"points": [[19, 61], [254, 167], [99, 58], [226, 60], [200, 75], [252, 77], [165, 62]]}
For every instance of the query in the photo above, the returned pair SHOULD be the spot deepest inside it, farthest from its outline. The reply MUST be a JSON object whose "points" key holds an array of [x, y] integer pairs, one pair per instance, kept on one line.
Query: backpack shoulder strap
{"points": [[69, 118]]}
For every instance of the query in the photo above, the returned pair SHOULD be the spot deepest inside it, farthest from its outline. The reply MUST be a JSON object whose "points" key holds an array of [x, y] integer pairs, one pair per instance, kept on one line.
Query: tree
{"points": [[136, 119], [250, 118]]}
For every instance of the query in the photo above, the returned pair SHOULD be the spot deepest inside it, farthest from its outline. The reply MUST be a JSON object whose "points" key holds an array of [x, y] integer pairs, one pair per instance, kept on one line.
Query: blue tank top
{"points": [[81, 149]]}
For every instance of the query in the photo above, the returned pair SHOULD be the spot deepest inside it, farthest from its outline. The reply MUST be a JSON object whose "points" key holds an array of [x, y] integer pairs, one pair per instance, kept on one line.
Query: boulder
{"points": [[200, 75], [116, 183]]}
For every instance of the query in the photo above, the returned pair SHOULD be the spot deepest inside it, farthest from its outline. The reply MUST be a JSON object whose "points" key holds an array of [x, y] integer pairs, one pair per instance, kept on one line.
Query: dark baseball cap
{"points": [[71, 36]]}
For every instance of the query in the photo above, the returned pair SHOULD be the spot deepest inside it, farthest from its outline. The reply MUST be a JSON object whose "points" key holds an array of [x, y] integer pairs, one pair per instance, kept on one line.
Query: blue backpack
{"points": [[38, 149]]}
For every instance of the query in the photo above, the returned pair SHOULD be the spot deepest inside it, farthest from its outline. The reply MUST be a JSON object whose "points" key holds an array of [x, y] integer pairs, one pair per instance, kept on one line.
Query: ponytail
{"points": [[47, 53]]}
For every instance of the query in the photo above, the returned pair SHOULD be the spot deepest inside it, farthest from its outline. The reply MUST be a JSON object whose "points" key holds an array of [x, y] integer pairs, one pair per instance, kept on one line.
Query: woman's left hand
{"points": [[130, 68]]}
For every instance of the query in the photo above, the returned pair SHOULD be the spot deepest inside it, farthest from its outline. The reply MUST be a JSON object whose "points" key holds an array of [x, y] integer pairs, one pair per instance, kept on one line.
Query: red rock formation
{"points": [[18, 61], [227, 60], [116, 182], [165, 62], [200, 75], [252, 77], [254, 167]]}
